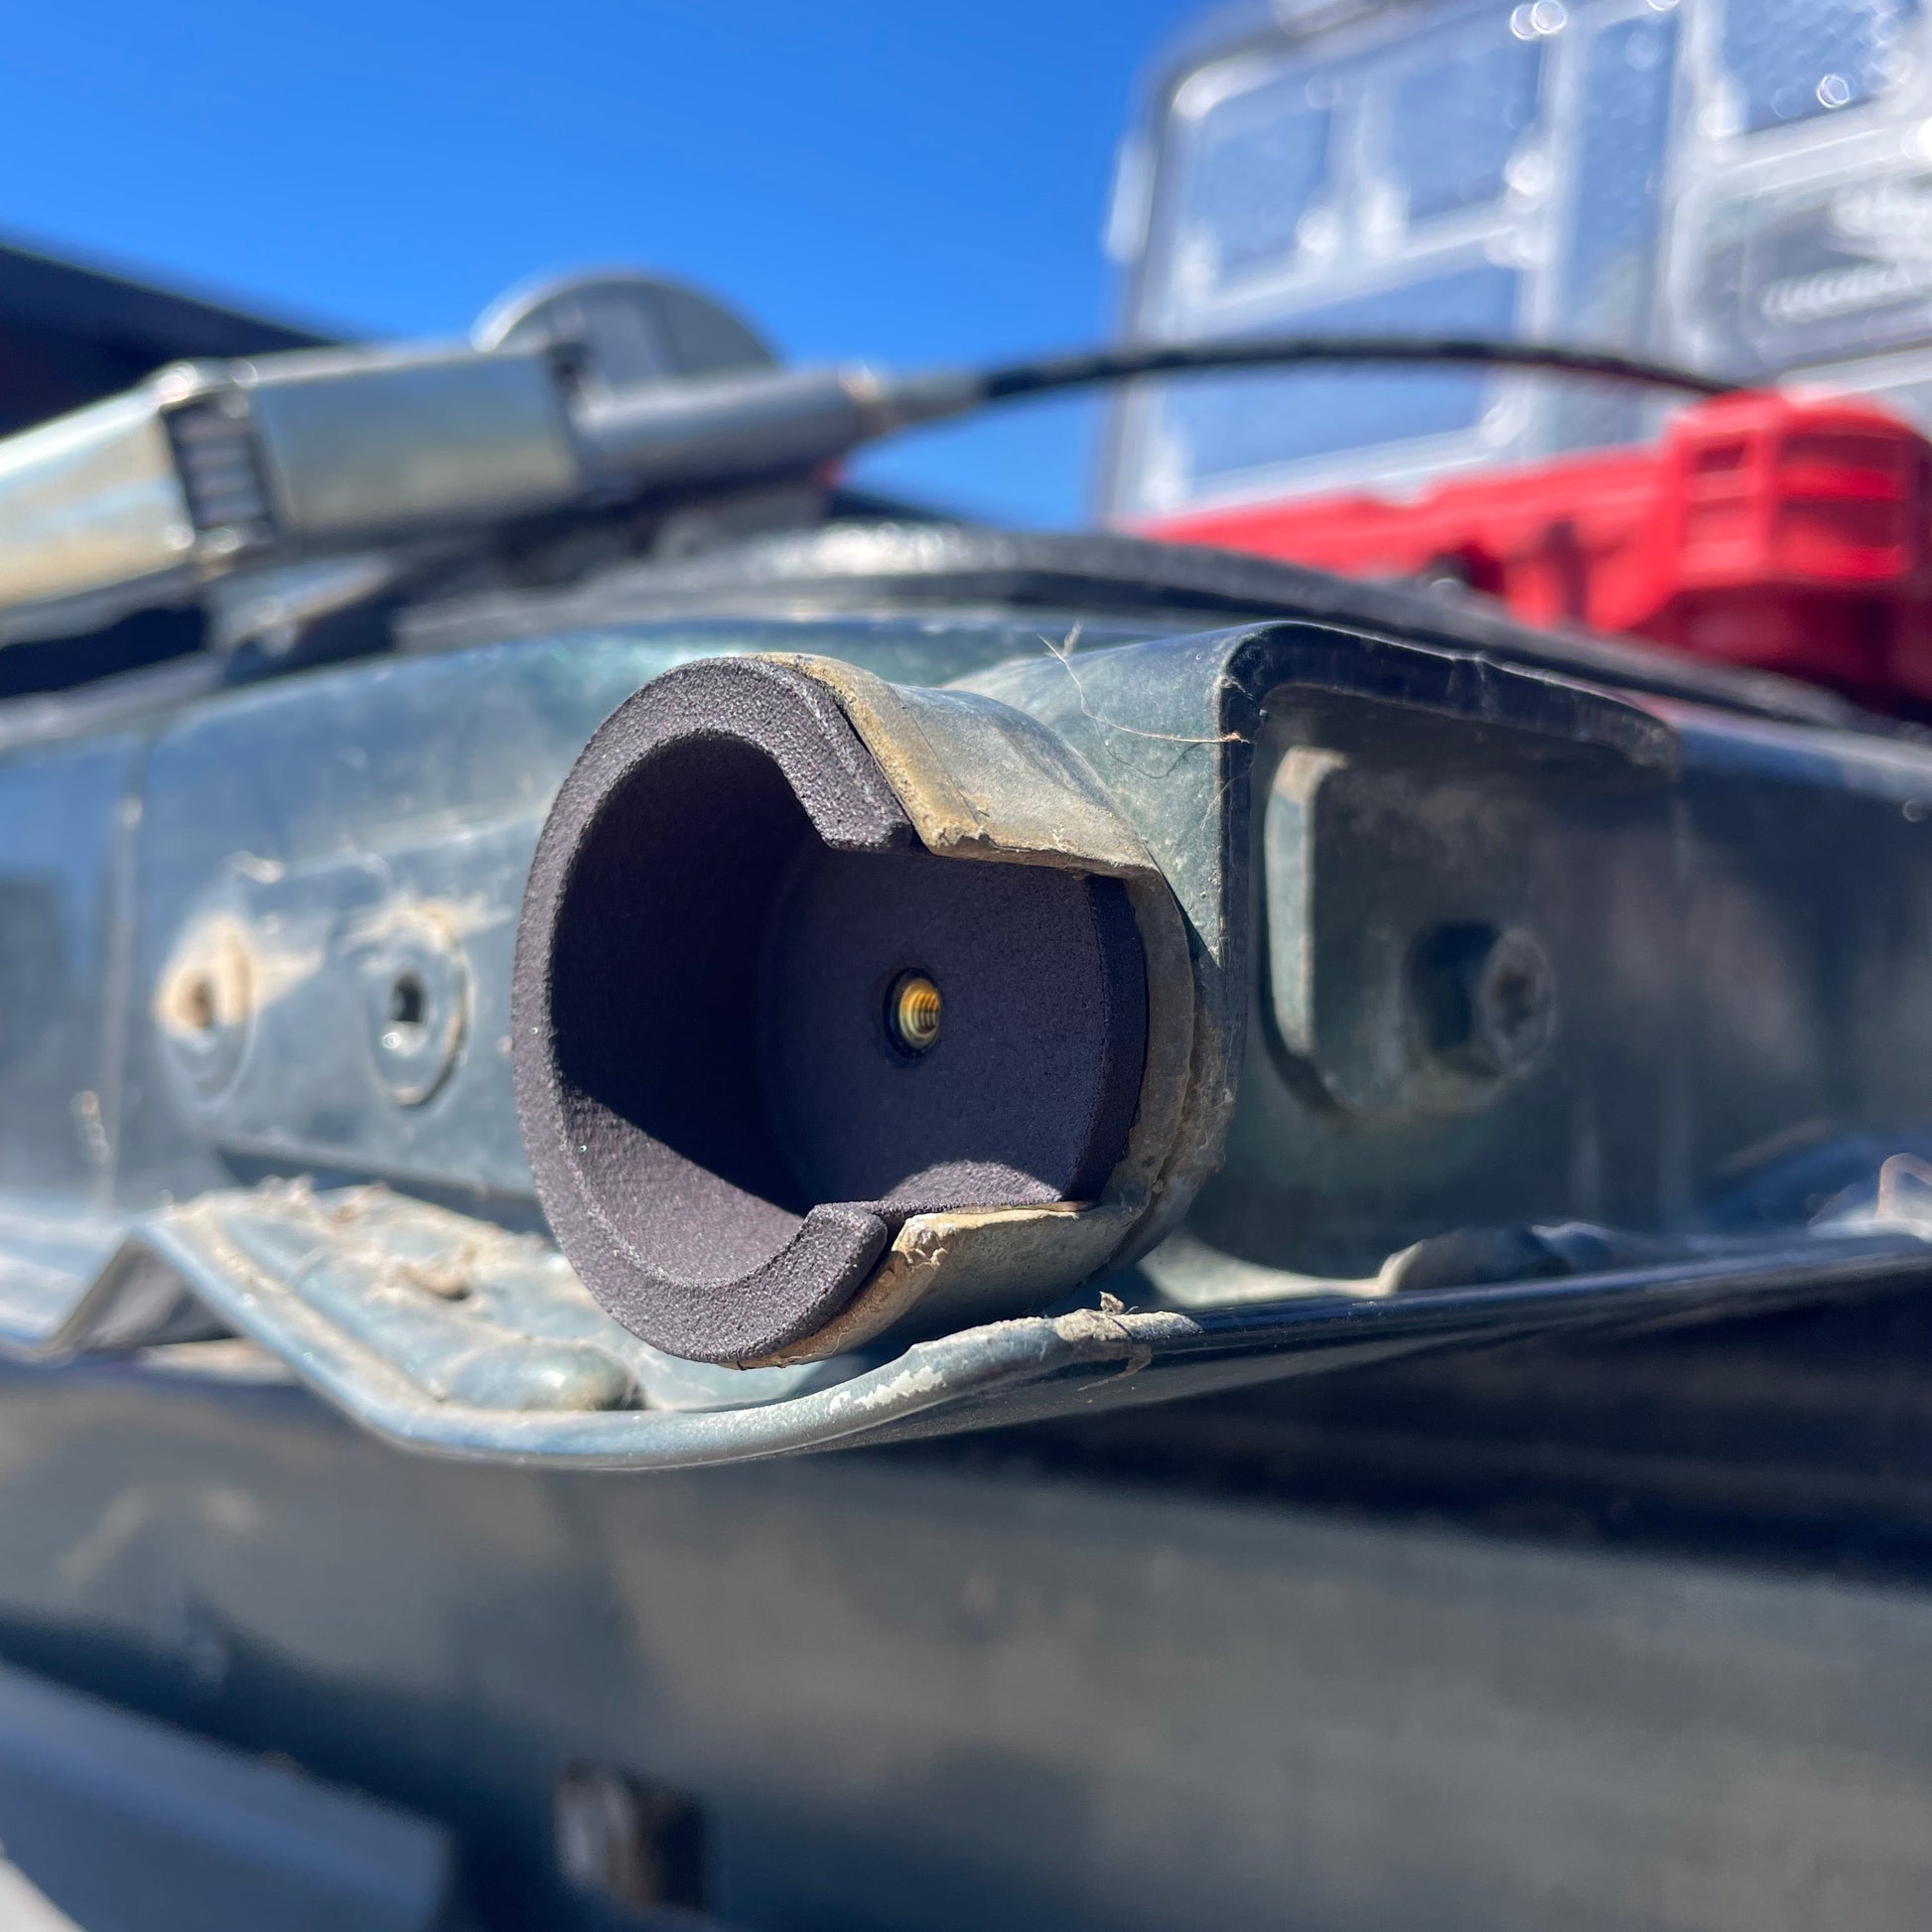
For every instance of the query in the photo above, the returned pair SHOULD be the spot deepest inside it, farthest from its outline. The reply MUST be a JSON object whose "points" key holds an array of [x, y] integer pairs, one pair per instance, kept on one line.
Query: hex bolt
{"points": [[1486, 998]]}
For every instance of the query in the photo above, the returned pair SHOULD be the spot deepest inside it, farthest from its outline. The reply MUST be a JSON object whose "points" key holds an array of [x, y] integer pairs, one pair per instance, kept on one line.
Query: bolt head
{"points": [[1486, 998]]}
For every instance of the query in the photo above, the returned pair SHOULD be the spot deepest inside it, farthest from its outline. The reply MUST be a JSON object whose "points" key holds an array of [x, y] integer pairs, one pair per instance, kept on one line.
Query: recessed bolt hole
{"points": [[1516, 1003], [408, 1001], [912, 1013], [628, 1839], [414, 1009], [202, 1005], [407, 1011], [198, 1003]]}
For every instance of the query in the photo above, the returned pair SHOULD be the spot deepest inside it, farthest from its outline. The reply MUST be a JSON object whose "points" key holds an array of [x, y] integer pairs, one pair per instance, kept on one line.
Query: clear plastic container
{"points": [[1743, 186]]}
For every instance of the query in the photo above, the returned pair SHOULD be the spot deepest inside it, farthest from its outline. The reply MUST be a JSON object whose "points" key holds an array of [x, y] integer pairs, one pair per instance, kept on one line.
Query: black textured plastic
{"points": [[1029, 1092], [723, 1135]]}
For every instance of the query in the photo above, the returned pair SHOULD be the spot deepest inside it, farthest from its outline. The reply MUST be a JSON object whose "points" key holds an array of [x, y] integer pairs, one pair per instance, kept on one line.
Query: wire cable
{"points": [[1135, 361]]}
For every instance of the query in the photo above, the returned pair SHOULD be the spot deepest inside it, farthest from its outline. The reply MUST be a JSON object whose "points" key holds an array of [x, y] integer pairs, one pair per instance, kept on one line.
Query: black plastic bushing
{"points": [[726, 1119]]}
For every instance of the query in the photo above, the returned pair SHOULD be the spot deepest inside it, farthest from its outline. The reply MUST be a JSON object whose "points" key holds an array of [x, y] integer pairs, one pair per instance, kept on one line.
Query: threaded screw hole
{"points": [[912, 1013]]}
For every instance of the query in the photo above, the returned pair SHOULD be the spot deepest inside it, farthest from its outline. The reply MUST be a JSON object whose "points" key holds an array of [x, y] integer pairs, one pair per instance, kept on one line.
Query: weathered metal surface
{"points": [[1221, 1663], [450, 1335], [1702, 922], [202, 898], [318, 820], [120, 1821], [1102, 582], [45, 1268]]}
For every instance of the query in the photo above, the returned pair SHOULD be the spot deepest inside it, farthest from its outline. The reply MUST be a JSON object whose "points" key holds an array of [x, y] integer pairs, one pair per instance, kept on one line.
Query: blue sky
{"points": [[907, 182]]}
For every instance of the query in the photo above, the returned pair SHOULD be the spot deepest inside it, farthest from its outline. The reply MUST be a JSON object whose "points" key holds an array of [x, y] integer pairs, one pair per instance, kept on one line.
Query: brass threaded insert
{"points": [[912, 1013]]}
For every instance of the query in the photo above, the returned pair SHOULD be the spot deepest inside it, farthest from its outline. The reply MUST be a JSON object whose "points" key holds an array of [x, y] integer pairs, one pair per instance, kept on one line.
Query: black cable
{"points": [[735, 426], [1274, 352]]}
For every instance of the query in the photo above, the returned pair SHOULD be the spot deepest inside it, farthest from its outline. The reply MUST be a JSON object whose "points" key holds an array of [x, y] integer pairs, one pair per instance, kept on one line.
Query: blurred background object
{"points": [[906, 185]]}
